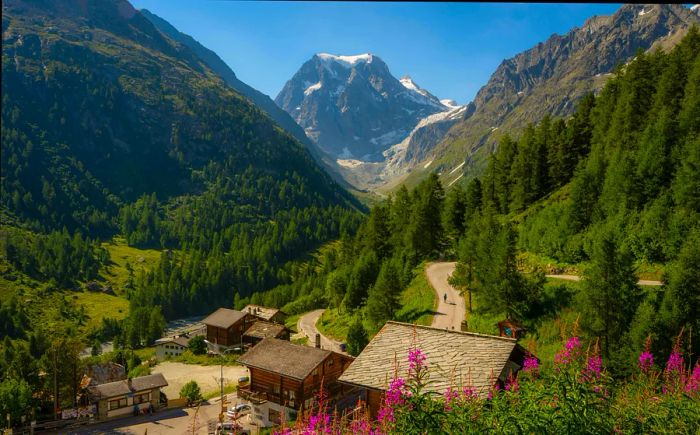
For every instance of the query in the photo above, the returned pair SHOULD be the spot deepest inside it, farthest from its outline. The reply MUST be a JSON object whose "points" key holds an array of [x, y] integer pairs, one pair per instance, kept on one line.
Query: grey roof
{"points": [[121, 388], [259, 311], [262, 329], [182, 341], [285, 358], [454, 358], [223, 318]]}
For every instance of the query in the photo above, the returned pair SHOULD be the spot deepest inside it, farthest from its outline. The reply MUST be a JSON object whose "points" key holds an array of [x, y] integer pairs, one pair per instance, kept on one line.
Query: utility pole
{"points": [[55, 384]]}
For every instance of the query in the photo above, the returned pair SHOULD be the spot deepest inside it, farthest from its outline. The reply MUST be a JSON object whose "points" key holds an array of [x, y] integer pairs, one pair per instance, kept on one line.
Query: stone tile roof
{"points": [[260, 311], [285, 358], [262, 329], [454, 358], [223, 318], [121, 388]]}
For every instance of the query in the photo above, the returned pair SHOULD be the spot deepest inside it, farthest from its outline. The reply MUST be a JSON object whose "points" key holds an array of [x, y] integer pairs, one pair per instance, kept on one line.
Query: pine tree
{"points": [[383, 299], [610, 295]]}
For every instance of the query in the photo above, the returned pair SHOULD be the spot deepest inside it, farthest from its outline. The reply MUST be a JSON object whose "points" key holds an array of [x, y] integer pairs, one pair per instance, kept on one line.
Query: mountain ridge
{"points": [[550, 78]]}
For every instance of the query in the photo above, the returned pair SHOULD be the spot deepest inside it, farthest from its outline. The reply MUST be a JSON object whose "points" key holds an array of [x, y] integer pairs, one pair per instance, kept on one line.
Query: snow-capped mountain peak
{"points": [[346, 61], [351, 105]]}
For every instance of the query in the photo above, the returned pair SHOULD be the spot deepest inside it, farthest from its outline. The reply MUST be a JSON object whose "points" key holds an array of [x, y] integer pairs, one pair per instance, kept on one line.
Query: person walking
{"points": [[444, 297]]}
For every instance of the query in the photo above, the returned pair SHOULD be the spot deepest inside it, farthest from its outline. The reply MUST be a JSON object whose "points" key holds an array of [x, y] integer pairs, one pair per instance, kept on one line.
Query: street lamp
{"points": [[223, 353]]}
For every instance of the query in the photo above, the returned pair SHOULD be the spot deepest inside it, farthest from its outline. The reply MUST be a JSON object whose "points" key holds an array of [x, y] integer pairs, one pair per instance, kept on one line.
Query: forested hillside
{"points": [[612, 188], [109, 127]]}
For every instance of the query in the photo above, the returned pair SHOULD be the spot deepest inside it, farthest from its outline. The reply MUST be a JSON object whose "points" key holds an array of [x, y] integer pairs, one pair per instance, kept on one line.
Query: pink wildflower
{"points": [[386, 415], [395, 395], [450, 395], [470, 393], [571, 351], [416, 360], [512, 384], [531, 364], [693, 385], [674, 375], [594, 367], [646, 361]]}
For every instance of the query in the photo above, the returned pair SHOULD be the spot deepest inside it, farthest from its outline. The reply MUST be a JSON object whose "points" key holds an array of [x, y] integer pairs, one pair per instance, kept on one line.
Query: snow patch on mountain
{"points": [[312, 88]]}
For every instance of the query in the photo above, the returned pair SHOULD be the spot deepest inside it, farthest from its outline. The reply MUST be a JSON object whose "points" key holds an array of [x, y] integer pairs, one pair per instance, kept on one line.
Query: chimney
{"points": [[464, 327], [318, 341]]}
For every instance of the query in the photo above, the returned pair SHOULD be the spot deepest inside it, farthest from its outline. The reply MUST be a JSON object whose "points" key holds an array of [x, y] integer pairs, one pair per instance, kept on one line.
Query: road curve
{"points": [[307, 326], [578, 278], [452, 311]]}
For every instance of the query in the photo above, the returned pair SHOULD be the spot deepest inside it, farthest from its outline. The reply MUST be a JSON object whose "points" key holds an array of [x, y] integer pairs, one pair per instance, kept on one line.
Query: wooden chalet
{"points": [[261, 330], [286, 377], [225, 328], [267, 314], [127, 397], [455, 358]]}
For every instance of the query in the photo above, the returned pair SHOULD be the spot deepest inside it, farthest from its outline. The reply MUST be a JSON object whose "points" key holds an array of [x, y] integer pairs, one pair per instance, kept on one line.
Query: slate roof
{"points": [[223, 318], [454, 358], [260, 311], [262, 329], [121, 388], [285, 358]]}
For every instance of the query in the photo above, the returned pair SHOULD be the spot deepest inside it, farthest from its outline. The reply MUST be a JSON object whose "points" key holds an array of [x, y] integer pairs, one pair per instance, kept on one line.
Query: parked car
{"points": [[227, 428], [238, 411]]}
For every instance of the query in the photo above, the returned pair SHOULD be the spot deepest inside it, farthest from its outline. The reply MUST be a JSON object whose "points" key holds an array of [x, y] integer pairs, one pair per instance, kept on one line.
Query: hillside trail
{"points": [[578, 278], [451, 310]]}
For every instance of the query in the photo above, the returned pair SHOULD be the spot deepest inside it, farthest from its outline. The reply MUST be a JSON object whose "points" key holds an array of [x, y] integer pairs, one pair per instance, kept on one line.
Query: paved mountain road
{"points": [[452, 311], [307, 326]]}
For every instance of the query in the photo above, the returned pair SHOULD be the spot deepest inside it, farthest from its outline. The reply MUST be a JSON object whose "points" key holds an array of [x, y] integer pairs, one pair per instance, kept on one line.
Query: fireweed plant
{"points": [[575, 396]]}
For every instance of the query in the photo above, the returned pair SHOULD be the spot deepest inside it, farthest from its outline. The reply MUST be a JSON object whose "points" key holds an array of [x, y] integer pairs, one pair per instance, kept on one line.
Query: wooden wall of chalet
{"points": [[276, 387], [232, 335]]}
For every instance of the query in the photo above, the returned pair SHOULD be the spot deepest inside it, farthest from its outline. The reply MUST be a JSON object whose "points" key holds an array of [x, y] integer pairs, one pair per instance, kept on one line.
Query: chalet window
{"points": [[329, 363], [117, 403], [276, 389], [142, 398]]}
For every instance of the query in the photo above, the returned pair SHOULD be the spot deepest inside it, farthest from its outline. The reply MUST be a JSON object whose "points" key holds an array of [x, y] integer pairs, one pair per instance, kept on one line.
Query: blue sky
{"points": [[450, 49]]}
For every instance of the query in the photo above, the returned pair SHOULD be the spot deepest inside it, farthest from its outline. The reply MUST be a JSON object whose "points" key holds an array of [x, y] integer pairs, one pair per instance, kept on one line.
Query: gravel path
{"points": [[452, 311], [578, 278]]}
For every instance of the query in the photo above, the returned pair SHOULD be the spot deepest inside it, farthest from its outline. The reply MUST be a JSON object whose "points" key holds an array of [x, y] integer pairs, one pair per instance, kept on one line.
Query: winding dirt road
{"points": [[451, 311], [307, 325]]}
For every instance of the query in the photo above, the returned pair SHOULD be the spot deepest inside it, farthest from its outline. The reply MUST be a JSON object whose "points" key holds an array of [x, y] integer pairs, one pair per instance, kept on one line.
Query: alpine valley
{"points": [[544, 237]]}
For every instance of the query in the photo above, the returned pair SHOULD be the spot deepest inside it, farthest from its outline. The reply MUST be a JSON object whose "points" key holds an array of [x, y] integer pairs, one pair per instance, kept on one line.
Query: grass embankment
{"points": [[418, 304]]}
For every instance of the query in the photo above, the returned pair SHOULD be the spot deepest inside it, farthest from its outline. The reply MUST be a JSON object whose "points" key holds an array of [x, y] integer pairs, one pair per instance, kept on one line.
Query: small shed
{"points": [[512, 329]]}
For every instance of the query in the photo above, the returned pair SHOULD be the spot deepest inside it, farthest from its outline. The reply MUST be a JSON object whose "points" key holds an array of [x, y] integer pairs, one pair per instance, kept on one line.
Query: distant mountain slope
{"points": [[352, 106], [99, 108], [217, 65], [549, 79]]}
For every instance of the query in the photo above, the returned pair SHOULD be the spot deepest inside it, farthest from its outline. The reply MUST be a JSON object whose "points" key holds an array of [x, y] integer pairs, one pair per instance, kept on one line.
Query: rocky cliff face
{"points": [[352, 107], [549, 79]]}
